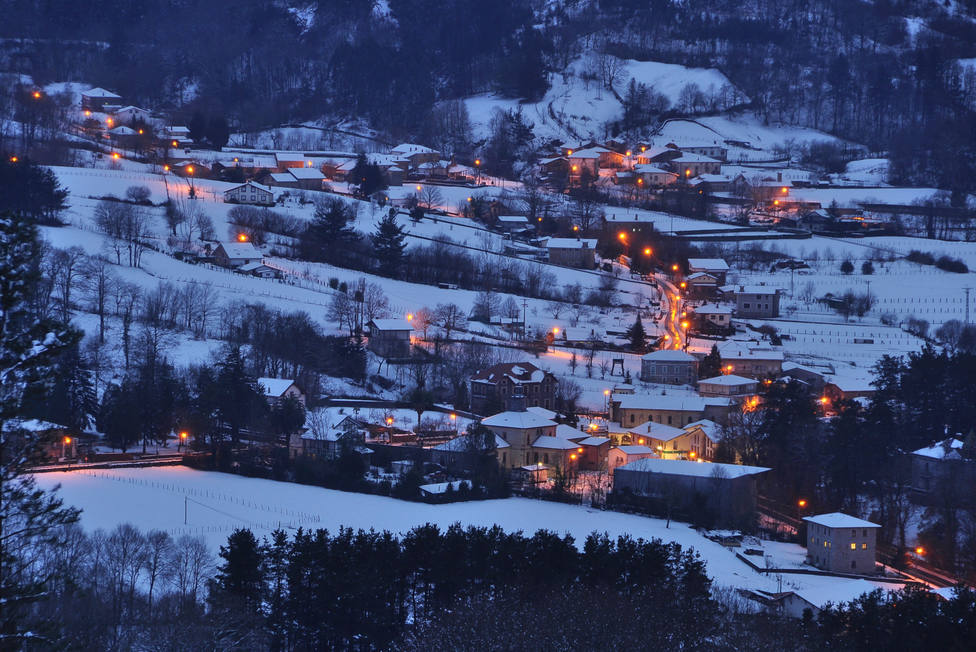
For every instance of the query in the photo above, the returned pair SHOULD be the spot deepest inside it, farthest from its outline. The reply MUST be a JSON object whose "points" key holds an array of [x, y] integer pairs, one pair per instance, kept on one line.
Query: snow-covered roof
{"points": [[711, 429], [306, 174], [594, 441], [835, 592], [647, 168], [250, 267], [461, 444], [555, 443], [692, 469], [122, 130], [516, 372], [253, 184], [290, 157], [282, 177], [688, 157], [520, 420], [839, 519], [390, 325], [714, 309], [100, 92], [669, 355], [589, 153], [730, 380], [177, 130], [713, 178], [513, 219], [708, 264], [656, 430], [635, 450], [131, 109], [750, 289], [240, 250], [668, 402], [411, 148], [31, 425], [542, 412], [569, 432], [940, 450], [570, 243], [441, 487], [275, 387]]}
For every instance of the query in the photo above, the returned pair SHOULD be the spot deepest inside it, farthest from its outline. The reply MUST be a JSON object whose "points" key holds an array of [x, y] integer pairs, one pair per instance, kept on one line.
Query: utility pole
{"points": [[967, 305], [524, 302]]}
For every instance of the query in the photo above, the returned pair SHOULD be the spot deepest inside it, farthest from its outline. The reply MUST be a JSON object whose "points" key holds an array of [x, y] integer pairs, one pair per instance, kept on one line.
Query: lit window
{"points": [[864, 546], [825, 544], [853, 546]]}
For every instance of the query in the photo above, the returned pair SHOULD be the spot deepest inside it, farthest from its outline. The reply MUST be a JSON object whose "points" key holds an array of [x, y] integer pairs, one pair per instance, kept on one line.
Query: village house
{"points": [[627, 453], [679, 410], [53, 441], [688, 166], [307, 178], [389, 338], [249, 193], [615, 223], [702, 285], [728, 491], [653, 155], [940, 467], [713, 318], [596, 451], [434, 169], [728, 385], [331, 443], [288, 160], [520, 428], [715, 151], [702, 438], [652, 176], [235, 254], [513, 223], [756, 302], [717, 268], [751, 361], [415, 155], [669, 367], [491, 387], [99, 100], [586, 161], [130, 115], [841, 543], [123, 137], [572, 252], [260, 270], [277, 390], [693, 441]]}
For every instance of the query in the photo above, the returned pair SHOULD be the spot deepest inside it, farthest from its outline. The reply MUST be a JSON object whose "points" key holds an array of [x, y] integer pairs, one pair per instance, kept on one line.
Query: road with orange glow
{"points": [[672, 295]]}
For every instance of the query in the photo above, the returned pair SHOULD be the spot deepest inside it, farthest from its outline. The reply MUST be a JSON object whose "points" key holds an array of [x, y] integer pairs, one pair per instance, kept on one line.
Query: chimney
{"points": [[516, 402]]}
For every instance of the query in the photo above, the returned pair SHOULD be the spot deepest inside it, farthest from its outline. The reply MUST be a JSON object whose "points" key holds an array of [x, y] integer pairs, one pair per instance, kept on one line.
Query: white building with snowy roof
{"points": [[279, 389], [842, 543], [235, 254], [944, 463]]}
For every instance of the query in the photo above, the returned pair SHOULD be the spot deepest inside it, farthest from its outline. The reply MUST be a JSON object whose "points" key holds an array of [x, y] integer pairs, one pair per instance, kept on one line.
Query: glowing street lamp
{"points": [[418, 187], [410, 316], [37, 95], [242, 237], [115, 155], [801, 503], [454, 421], [674, 268], [183, 437], [920, 551], [14, 159], [647, 251]]}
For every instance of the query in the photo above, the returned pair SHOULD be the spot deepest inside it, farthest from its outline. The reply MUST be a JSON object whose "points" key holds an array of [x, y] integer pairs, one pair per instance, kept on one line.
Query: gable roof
{"points": [[554, 443], [100, 92], [729, 380], [667, 402], [306, 174], [275, 387], [692, 469], [250, 183], [712, 264], [938, 450], [635, 450], [839, 519], [711, 429], [516, 372], [570, 243], [239, 250], [390, 324], [518, 420], [669, 355], [656, 430]]}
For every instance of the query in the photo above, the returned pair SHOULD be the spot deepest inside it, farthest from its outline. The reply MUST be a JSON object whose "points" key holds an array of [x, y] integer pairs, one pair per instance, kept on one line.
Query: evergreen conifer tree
{"points": [[637, 336], [389, 243], [711, 364]]}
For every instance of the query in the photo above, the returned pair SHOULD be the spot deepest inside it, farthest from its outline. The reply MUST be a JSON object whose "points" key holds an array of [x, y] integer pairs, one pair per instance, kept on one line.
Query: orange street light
{"points": [[67, 440], [622, 235], [579, 450], [87, 114], [801, 502], [575, 228], [389, 421], [606, 392], [775, 202], [692, 454], [640, 441], [477, 161], [784, 190], [643, 148], [640, 182], [37, 95], [572, 456], [629, 152], [242, 237], [674, 268], [409, 316], [593, 426], [174, 143], [189, 170], [184, 435], [683, 285], [108, 121], [115, 155], [575, 168], [418, 187], [555, 330], [920, 550], [165, 168], [453, 417], [14, 159], [469, 199], [688, 172], [569, 152], [824, 400], [685, 324]]}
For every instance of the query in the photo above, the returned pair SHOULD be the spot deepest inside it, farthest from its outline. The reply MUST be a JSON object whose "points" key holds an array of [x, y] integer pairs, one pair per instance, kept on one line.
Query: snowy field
{"points": [[216, 503]]}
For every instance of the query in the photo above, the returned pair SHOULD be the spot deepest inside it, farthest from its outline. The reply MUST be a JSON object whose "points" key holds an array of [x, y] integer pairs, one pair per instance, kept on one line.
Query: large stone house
{"points": [[728, 385], [331, 442], [490, 388], [572, 252], [630, 410], [714, 267], [841, 543], [235, 254], [756, 302], [939, 467], [249, 193], [99, 99], [669, 367], [519, 429]]}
